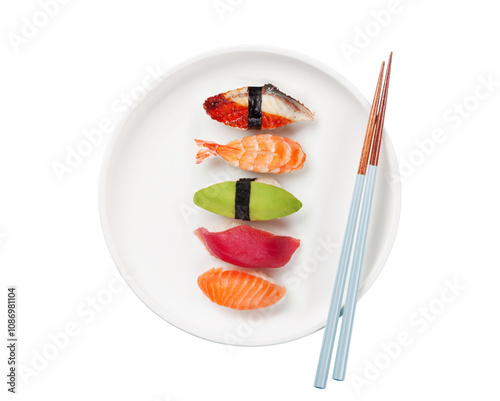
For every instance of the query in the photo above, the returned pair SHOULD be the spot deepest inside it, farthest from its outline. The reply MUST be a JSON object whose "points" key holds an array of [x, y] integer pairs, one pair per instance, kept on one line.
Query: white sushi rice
{"points": [[269, 181], [227, 224], [224, 225], [251, 272]]}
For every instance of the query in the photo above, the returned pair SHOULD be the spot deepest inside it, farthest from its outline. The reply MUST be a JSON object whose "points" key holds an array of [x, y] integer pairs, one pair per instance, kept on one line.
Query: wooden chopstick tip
{"points": [[370, 129], [381, 116]]}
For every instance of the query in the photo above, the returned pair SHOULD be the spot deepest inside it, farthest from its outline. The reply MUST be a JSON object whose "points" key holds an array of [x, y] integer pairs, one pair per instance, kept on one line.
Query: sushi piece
{"points": [[256, 107], [240, 290], [263, 153], [246, 246], [247, 199]]}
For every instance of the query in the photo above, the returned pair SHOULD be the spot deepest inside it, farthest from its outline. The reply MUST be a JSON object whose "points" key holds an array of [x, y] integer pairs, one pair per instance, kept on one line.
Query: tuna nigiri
{"points": [[247, 199], [240, 290], [246, 246], [256, 107], [263, 153]]}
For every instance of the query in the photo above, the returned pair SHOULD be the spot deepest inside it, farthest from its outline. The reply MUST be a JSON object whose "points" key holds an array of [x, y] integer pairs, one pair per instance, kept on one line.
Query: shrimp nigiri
{"points": [[263, 153], [240, 290], [256, 107]]}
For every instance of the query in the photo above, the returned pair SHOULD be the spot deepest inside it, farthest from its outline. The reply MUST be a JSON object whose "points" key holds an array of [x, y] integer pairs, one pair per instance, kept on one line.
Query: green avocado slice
{"points": [[267, 202], [217, 198]]}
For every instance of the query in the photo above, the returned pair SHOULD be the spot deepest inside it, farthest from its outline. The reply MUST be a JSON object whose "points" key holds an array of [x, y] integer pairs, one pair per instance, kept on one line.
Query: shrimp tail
{"points": [[208, 149]]}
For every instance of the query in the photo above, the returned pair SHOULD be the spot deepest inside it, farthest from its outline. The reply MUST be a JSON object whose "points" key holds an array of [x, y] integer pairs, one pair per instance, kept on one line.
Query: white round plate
{"points": [[149, 177]]}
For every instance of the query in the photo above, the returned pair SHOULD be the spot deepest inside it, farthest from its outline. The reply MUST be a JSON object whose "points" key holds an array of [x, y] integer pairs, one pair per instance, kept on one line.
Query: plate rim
{"points": [[110, 145]]}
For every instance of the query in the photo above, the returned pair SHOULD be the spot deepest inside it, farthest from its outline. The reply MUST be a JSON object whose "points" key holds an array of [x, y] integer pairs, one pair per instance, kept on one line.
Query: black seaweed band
{"points": [[242, 199], [254, 107]]}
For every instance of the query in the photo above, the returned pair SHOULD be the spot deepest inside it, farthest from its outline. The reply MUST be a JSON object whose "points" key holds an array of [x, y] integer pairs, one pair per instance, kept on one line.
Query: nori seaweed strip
{"points": [[254, 107], [242, 199]]}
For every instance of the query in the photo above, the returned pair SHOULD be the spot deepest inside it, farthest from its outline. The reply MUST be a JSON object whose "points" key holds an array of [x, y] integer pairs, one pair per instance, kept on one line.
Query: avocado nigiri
{"points": [[247, 199]]}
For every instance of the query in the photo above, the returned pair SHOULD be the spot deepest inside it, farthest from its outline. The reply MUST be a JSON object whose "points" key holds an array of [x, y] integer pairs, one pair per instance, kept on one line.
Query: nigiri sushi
{"points": [[264, 153], [240, 290], [247, 199], [256, 107], [246, 246]]}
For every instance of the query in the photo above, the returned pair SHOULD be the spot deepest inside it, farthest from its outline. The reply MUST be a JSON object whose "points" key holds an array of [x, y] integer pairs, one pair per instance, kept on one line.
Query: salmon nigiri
{"points": [[256, 107], [240, 290], [264, 153]]}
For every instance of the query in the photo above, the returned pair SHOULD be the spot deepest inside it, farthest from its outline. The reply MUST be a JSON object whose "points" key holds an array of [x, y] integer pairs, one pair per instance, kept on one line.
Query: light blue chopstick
{"points": [[374, 129], [338, 289], [325, 355], [339, 368]]}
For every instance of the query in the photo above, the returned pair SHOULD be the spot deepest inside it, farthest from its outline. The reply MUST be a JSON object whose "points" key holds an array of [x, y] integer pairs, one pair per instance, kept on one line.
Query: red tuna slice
{"points": [[246, 246]]}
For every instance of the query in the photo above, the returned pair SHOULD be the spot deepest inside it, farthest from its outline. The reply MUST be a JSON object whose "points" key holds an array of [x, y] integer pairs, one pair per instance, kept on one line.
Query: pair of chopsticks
{"points": [[371, 150]]}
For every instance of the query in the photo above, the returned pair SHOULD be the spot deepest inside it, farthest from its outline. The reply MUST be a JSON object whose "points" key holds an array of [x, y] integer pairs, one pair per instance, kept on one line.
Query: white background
{"points": [[65, 79]]}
